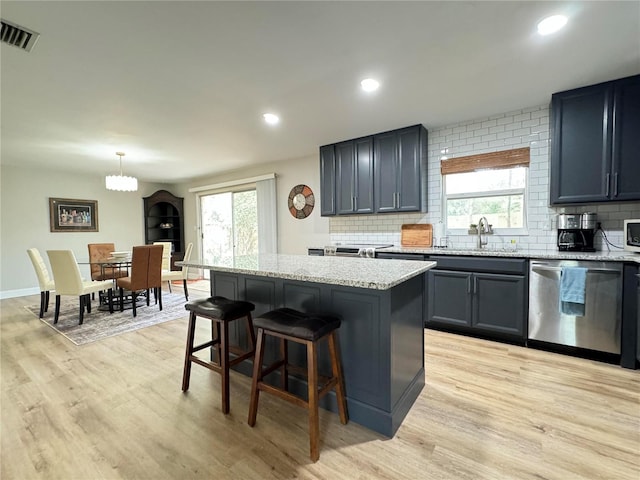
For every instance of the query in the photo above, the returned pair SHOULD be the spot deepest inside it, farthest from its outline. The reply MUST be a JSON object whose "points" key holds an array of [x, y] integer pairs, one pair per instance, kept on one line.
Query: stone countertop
{"points": [[347, 271], [602, 256]]}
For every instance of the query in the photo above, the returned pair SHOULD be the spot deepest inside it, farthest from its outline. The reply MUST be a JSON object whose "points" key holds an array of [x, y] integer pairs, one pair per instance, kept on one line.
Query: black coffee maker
{"points": [[576, 232]]}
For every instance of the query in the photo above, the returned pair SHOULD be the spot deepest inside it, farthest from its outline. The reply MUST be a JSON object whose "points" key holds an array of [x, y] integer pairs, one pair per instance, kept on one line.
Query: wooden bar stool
{"points": [[306, 329], [220, 311]]}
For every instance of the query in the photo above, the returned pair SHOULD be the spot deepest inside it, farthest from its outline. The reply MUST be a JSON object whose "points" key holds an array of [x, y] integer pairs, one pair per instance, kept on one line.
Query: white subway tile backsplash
{"points": [[522, 131], [526, 127]]}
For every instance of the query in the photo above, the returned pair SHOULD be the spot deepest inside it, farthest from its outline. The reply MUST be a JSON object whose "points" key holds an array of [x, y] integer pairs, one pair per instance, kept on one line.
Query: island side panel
{"points": [[407, 346]]}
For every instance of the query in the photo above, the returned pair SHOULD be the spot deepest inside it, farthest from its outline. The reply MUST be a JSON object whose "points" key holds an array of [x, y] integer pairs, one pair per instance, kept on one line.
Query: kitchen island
{"points": [[381, 338]]}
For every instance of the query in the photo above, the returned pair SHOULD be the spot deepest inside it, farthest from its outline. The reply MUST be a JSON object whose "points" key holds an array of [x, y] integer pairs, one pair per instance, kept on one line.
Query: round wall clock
{"points": [[301, 201]]}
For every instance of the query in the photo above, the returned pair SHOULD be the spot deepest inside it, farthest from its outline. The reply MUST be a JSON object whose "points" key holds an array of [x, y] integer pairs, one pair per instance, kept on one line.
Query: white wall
{"points": [[24, 220], [294, 235]]}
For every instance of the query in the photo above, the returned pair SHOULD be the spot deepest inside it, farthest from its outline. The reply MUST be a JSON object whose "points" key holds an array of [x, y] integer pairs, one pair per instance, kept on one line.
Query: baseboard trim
{"points": [[21, 292]]}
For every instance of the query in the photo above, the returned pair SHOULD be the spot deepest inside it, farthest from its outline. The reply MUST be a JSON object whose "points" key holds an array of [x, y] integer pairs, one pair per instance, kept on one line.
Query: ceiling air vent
{"points": [[18, 36]]}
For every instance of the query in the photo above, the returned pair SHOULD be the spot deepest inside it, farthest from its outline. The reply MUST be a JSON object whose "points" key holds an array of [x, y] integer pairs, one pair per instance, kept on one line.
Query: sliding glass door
{"points": [[229, 224]]}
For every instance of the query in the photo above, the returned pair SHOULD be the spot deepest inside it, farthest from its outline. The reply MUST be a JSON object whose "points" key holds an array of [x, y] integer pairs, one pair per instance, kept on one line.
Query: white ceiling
{"points": [[181, 86]]}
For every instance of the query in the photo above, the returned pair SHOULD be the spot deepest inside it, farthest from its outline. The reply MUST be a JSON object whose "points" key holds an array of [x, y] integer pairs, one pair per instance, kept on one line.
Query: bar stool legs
{"points": [[220, 311], [271, 326]]}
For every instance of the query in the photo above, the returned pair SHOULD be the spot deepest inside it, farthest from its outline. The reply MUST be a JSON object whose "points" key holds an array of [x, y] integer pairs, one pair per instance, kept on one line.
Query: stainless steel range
{"points": [[364, 250]]}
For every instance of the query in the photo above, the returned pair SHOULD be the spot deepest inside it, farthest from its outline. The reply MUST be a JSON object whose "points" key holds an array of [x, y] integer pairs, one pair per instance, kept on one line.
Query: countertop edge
{"points": [[622, 256], [306, 277]]}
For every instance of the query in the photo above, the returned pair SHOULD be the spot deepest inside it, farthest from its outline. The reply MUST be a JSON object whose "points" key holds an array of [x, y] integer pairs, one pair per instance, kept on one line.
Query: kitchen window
{"points": [[489, 185]]}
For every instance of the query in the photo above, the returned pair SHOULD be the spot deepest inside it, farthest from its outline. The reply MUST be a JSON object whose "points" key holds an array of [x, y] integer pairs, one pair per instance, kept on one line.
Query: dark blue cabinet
{"points": [[595, 143], [483, 296], [327, 180], [381, 173], [400, 163], [354, 176]]}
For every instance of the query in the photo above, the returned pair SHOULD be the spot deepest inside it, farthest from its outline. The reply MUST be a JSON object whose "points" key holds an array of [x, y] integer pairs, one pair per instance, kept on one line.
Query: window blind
{"points": [[518, 157]]}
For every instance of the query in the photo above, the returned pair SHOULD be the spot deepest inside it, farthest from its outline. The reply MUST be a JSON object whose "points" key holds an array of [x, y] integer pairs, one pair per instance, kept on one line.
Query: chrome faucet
{"points": [[483, 227]]}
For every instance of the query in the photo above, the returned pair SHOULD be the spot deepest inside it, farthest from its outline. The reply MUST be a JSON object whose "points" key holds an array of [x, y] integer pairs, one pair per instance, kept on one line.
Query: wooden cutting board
{"points": [[416, 235]]}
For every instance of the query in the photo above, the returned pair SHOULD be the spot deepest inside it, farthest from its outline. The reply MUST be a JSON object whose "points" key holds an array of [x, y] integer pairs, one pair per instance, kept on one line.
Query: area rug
{"points": [[99, 325]]}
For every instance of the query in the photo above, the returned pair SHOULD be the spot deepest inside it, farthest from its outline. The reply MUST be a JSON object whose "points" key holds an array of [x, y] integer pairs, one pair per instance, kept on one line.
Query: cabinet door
{"points": [[499, 303], [626, 140], [580, 153], [386, 171], [345, 177], [449, 298], [364, 175], [409, 169], [327, 180]]}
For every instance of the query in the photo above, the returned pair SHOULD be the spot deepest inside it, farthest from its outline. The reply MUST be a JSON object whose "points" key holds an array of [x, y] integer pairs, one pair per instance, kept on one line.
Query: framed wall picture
{"points": [[69, 215]]}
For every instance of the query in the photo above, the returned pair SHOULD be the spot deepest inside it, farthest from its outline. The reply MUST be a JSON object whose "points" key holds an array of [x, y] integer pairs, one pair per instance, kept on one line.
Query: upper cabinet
{"points": [[163, 222], [399, 158], [376, 174], [595, 154], [328, 180], [354, 176]]}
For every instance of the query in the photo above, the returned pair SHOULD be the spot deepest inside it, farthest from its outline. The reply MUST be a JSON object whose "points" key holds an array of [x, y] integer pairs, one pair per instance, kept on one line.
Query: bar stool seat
{"points": [[306, 329], [220, 311]]}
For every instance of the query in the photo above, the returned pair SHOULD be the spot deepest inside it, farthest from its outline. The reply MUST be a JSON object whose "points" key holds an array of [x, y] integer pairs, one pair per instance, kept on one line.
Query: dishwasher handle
{"points": [[546, 268]]}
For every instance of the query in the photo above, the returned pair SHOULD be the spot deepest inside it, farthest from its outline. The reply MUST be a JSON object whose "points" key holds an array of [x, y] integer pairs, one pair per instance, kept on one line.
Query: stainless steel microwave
{"points": [[632, 235]]}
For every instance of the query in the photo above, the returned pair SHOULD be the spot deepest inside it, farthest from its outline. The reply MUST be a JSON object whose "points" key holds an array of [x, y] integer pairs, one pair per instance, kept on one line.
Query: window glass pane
{"points": [[229, 225], [486, 180], [504, 211], [245, 221]]}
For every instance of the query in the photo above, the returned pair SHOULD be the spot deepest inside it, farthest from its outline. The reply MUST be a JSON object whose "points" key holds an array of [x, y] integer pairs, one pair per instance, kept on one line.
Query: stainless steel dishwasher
{"points": [[599, 328]]}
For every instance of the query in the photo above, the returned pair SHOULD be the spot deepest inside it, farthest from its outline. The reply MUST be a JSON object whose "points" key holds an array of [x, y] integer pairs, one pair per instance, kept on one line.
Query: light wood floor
{"points": [[114, 410]]}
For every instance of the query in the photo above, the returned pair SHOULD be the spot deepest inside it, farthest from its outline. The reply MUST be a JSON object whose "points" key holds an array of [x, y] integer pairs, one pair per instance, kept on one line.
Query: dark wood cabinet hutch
{"points": [[164, 222]]}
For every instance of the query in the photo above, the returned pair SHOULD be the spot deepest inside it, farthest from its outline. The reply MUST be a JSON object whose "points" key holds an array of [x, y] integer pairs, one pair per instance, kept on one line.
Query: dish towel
{"points": [[573, 282]]}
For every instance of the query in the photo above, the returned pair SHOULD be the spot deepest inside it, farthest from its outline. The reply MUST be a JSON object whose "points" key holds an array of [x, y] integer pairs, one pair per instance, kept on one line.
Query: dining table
{"points": [[115, 263]]}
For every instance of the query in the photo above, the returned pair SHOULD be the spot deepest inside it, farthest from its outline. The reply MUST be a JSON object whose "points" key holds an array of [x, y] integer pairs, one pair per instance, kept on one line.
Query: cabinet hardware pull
{"points": [[615, 184], [475, 285], [469, 285], [608, 180]]}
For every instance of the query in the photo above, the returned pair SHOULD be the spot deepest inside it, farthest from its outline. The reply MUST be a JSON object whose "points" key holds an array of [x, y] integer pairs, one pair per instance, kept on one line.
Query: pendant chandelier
{"points": [[121, 182]]}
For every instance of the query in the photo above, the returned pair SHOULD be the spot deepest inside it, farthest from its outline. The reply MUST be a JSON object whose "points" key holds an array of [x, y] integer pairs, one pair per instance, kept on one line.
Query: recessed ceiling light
{"points": [[551, 24], [369, 84], [271, 118]]}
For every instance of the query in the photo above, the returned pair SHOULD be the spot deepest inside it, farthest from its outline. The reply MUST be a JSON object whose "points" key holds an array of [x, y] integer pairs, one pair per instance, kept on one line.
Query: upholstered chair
{"points": [[154, 273], [146, 268], [68, 281], [99, 252], [166, 255], [180, 274], [44, 280]]}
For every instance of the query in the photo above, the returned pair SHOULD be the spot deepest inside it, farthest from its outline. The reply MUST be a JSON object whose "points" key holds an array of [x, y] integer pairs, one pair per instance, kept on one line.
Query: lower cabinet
{"points": [[483, 302]]}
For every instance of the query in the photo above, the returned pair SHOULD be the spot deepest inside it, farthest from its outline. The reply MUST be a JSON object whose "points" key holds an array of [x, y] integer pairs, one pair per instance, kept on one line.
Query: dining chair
{"points": [[44, 280], [166, 255], [180, 274], [146, 273], [99, 252], [68, 281]]}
